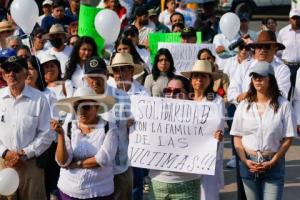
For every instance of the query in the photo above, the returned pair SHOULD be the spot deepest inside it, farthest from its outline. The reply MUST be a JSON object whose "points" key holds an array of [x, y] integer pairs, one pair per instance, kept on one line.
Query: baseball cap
{"points": [[262, 68], [244, 16], [152, 12], [14, 62], [294, 12], [94, 65], [141, 10], [47, 2], [6, 53], [131, 30], [188, 32]]}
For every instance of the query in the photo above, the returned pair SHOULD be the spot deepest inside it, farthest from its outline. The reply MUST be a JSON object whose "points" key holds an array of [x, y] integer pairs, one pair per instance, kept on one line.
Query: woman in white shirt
{"points": [[86, 148], [175, 185], [263, 129], [202, 81], [84, 48]]}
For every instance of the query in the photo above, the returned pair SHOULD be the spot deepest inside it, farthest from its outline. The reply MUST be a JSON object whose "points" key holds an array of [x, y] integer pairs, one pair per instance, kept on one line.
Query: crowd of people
{"points": [[66, 111]]}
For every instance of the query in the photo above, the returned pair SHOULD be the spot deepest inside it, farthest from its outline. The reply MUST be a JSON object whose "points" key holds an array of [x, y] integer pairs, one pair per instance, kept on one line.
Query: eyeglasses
{"points": [[122, 69], [173, 91], [244, 47], [263, 46], [83, 107]]}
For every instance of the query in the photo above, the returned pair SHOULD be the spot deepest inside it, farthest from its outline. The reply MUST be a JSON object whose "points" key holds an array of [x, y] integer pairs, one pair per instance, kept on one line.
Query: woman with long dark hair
{"points": [[84, 48], [263, 129], [202, 81], [163, 70]]}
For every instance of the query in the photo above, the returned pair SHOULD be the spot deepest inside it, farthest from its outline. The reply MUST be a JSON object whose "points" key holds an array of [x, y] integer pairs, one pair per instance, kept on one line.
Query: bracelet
{"points": [[4, 153]]}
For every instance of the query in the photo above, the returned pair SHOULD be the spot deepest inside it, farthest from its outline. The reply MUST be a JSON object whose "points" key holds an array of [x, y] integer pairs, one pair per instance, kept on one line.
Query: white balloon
{"points": [[9, 181], [25, 13], [230, 25], [108, 25]]}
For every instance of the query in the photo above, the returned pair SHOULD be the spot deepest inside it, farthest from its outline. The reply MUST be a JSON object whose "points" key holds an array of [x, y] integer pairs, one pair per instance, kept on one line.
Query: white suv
{"points": [[249, 5]]}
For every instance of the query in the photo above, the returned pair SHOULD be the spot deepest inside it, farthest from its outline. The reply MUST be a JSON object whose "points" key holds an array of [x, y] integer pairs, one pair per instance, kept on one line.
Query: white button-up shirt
{"points": [[241, 80], [296, 98], [24, 122], [94, 182], [263, 133], [291, 41]]}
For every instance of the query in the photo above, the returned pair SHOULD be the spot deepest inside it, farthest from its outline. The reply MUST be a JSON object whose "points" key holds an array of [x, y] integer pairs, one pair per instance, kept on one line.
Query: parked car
{"points": [[252, 6]]}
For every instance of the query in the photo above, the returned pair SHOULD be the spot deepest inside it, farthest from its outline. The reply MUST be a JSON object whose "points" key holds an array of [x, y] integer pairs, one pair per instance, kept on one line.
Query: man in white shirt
{"points": [[123, 69], [289, 36], [265, 49], [57, 37], [96, 75], [25, 129]]}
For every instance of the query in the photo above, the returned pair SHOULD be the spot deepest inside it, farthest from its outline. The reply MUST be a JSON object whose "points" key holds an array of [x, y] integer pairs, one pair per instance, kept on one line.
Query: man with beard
{"points": [[57, 38], [265, 49], [141, 22], [289, 36]]}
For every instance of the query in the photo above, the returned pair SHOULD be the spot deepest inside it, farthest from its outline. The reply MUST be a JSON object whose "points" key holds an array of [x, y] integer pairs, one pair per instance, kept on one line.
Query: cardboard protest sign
{"points": [[155, 38], [174, 135], [185, 55], [86, 26]]}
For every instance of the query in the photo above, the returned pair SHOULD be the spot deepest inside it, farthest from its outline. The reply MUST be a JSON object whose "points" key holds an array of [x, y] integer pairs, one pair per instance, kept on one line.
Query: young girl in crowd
{"points": [[163, 70]]}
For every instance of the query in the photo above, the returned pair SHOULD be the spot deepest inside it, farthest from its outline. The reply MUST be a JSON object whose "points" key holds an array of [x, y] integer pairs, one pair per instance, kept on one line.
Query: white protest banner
{"points": [[185, 55], [174, 135]]}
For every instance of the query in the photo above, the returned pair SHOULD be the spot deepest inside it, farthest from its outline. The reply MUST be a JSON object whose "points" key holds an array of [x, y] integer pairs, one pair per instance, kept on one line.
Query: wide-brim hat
{"points": [[266, 37], [104, 102], [124, 59], [6, 26], [56, 29], [200, 66]]}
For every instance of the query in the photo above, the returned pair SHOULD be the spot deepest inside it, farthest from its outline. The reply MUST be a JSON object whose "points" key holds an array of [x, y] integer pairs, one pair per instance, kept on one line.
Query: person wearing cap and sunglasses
{"points": [[4, 54], [27, 132], [159, 27], [289, 36], [202, 81], [86, 147], [263, 129], [265, 48]]}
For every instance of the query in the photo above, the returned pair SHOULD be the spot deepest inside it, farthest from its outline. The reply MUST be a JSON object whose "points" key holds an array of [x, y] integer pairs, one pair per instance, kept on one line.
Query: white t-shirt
{"points": [[164, 18], [62, 56], [263, 133]]}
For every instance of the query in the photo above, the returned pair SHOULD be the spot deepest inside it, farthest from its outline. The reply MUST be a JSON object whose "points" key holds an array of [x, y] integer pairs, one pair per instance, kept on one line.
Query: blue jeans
{"points": [[268, 185]]}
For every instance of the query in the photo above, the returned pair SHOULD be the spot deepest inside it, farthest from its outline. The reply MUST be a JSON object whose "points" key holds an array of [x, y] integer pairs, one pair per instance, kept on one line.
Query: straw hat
{"points": [[124, 59], [6, 26], [200, 66], [266, 37], [56, 29], [85, 93]]}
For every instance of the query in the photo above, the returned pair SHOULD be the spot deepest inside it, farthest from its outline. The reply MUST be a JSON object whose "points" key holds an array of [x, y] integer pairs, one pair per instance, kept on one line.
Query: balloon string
{"points": [[37, 60]]}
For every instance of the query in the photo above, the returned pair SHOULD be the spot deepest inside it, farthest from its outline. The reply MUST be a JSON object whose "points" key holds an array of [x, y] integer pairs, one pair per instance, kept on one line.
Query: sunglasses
{"points": [[84, 107], [263, 46], [244, 47], [257, 76], [15, 70], [173, 91], [121, 69]]}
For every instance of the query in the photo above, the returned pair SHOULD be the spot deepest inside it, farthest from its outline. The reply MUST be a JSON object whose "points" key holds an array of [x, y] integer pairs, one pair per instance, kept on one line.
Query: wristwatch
{"points": [[79, 163]]}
